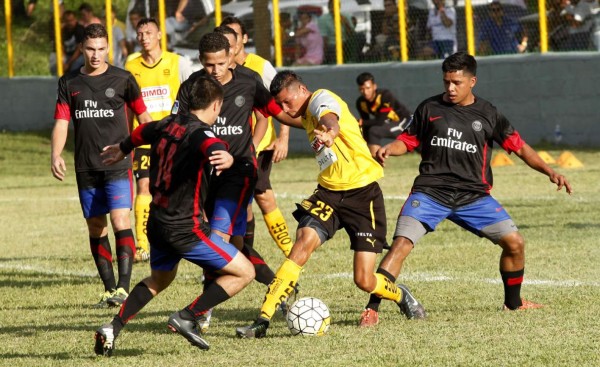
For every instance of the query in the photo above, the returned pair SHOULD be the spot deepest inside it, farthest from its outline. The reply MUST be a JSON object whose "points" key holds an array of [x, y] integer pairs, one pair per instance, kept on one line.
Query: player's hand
{"points": [[111, 154], [221, 159], [561, 181], [325, 136], [58, 168], [279, 148], [382, 154]]}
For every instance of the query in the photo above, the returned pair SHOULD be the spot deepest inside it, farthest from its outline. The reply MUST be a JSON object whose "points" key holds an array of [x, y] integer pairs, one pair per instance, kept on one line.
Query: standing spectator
{"points": [[455, 132], [500, 33], [72, 36], [177, 230], [159, 74], [133, 17], [327, 28], [309, 43], [87, 16], [119, 44], [389, 116], [96, 98], [442, 26]]}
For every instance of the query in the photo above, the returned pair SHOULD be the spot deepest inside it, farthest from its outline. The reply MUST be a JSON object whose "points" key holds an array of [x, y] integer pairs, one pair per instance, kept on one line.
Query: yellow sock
{"points": [[141, 212], [386, 289], [279, 231], [280, 288]]}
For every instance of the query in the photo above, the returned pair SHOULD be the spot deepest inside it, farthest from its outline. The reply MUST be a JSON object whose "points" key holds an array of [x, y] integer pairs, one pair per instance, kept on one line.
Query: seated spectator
{"points": [[442, 26], [500, 33], [382, 116], [86, 15], [309, 42], [72, 33], [580, 24]]}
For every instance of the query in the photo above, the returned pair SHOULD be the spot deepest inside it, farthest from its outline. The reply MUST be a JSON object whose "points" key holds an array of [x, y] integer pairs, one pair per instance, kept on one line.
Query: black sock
{"points": [[512, 281], [102, 255], [125, 254], [375, 301], [213, 295], [264, 274], [249, 235], [138, 298]]}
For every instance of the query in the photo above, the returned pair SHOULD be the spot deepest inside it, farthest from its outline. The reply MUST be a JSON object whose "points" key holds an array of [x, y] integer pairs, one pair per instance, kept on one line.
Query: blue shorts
{"points": [[473, 217], [212, 254], [102, 191]]}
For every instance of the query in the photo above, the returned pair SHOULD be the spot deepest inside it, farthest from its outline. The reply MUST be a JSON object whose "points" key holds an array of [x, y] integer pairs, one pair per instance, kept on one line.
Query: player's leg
{"points": [[486, 217], [143, 198], [118, 187], [250, 225], [93, 204]]}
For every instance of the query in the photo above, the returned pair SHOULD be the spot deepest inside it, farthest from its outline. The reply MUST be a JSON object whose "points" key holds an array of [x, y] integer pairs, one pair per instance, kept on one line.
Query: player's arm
{"points": [[281, 144], [144, 117], [329, 129], [286, 119], [260, 128], [58, 141], [214, 148], [142, 135], [397, 147], [533, 160]]}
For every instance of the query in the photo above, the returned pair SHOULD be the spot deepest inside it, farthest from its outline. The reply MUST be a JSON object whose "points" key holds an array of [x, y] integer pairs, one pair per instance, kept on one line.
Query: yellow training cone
{"points": [[568, 160], [501, 159], [546, 157]]}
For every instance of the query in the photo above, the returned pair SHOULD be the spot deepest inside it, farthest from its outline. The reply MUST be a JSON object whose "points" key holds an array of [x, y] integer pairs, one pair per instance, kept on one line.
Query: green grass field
{"points": [[48, 281]]}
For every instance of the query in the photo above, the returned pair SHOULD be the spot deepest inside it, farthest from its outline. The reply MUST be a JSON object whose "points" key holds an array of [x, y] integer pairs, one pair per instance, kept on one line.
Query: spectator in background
{"points": [[309, 42], [388, 40], [578, 14], [288, 44], [87, 16], [500, 33], [327, 28], [442, 25], [119, 44], [72, 35], [134, 16]]}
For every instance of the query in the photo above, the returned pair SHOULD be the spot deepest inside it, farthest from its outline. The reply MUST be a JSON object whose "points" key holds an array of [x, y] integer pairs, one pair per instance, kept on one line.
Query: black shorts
{"points": [[361, 212], [265, 162], [141, 163]]}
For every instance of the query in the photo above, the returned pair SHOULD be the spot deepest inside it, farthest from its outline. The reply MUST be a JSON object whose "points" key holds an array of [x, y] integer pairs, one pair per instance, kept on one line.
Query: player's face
{"points": [[216, 64], [291, 100], [148, 35], [94, 52], [459, 86], [240, 38], [367, 90]]}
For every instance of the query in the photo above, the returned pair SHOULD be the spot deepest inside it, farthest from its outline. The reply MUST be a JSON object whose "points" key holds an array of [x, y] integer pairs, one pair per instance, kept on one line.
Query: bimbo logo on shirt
{"points": [[92, 111]]}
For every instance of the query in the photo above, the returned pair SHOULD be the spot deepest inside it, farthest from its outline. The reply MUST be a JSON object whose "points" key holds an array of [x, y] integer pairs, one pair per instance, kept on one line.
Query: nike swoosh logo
{"points": [[73, 94], [433, 118]]}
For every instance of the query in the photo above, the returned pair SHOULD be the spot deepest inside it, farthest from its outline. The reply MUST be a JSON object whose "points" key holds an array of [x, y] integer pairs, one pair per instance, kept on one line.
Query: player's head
{"points": [[460, 76], [214, 55], [240, 29], [94, 46], [232, 37], [206, 98], [148, 34], [367, 86], [290, 93]]}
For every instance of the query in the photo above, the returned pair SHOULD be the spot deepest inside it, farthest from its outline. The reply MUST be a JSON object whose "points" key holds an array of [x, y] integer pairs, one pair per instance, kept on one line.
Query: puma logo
{"points": [[371, 241]]}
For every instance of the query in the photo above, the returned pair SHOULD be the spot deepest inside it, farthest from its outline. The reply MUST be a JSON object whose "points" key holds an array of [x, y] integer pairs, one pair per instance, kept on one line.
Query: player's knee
{"points": [[365, 282], [401, 247], [513, 243]]}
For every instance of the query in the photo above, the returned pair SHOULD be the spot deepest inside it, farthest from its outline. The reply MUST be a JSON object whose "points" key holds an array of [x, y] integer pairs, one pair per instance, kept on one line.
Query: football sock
{"points": [[102, 254], [280, 288], [264, 274], [213, 295], [138, 298], [374, 300], [125, 254], [512, 281], [141, 212], [386, 288], [278, 230], [249, 235]]}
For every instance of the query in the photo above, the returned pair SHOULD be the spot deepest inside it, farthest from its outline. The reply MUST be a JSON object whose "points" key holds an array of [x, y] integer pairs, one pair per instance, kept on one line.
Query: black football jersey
{"points": [[385, 107], [97, 106], [456, 147]]}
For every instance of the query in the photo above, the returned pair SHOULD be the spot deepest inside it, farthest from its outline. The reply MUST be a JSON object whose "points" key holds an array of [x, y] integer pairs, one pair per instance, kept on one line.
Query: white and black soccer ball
{"points": [[308, 316]]}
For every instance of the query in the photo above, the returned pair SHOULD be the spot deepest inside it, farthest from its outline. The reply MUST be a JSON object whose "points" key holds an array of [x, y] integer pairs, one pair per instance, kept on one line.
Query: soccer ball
{"points": [[308, 316]]}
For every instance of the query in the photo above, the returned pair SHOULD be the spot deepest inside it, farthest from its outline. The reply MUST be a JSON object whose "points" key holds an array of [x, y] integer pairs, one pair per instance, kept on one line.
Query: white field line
{"points": [[414, 277]]}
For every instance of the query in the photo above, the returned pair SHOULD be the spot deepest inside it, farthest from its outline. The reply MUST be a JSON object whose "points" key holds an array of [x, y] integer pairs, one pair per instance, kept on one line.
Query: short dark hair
{"points": [[283, 80], [145, 21], [225, 30], [460, 61], [95, 30], [235, 20], [205, 90], [87, 7], [362, 78], [213, 42], [137, 10]]}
